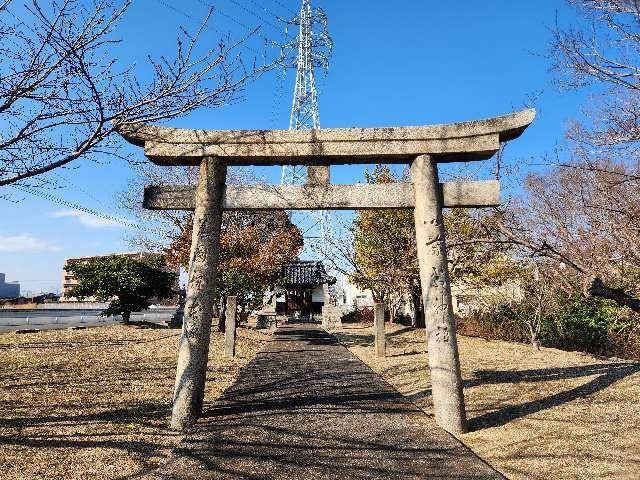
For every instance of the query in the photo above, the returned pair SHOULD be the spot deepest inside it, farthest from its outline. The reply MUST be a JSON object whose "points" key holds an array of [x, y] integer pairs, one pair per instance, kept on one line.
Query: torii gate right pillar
{"points": [[442, 346]]}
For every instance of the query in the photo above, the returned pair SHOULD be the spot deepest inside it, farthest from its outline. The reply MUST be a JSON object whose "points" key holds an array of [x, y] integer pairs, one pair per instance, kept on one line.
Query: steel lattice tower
{"points": [[313, 46]]}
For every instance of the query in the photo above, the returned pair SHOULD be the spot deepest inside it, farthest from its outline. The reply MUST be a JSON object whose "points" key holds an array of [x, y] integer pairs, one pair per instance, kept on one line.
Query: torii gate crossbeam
{"points": [[420, 147]]}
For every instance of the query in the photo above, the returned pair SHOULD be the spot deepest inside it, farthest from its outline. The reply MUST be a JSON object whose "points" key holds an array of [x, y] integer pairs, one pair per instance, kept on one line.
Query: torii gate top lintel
{"points": [[465, 141]]}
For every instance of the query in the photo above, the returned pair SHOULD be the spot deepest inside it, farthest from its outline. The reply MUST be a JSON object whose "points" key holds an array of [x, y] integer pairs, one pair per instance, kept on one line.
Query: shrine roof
{"points": [[304, 273]]}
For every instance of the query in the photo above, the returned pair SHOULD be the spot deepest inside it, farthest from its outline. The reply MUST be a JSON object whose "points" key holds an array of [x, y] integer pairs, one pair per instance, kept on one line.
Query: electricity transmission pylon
{"points": [[313, 45]]}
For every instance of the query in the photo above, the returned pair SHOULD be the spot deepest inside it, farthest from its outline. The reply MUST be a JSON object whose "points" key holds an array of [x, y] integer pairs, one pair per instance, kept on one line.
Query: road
{"points": [[19, 319]]}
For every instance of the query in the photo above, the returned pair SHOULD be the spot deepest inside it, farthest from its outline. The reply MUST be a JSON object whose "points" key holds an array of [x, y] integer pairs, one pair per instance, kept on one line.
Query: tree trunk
{"points": [[417, 313], [378, 329], [126, 316], [597, 288]]}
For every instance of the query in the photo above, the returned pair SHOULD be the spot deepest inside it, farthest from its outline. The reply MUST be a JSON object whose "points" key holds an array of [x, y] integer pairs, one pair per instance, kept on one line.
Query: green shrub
{"points": [[584, 323], [570, 322]]}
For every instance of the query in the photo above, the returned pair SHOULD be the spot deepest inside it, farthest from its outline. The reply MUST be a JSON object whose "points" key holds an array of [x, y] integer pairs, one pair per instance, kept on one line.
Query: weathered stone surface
{"points": [[475, 140], [378, 330], [230, 327], [203, 265], [328, 197], [330, 313], [442, 346], [318, 175], [421, 146]]}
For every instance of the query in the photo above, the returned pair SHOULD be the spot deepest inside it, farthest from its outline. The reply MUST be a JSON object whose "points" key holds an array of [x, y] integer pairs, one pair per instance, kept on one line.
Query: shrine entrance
{"points": [[303, 290], [420, 147], [298, 303]]}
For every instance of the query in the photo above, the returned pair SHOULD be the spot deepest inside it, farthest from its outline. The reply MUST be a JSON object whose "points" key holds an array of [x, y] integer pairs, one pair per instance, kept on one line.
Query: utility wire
{"points": [[263, 8], [209, 27], [238, 22], [277, 2], [252, 12], [80, 208]]}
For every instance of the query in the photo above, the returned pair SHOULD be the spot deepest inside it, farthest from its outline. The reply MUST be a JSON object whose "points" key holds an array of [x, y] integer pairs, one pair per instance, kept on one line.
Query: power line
{"points": [[80, 208], [240, 23], [207, 26], [277, 2], [263, 8], [252, 12], [278, 96]]}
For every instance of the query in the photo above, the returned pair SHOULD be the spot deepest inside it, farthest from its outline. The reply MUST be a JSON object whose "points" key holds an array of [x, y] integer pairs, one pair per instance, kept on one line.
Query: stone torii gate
{"points": [[421, 147]]}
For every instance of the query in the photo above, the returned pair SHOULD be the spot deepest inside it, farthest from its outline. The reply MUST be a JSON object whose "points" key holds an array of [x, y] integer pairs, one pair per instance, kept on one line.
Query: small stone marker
{"points": [[230, 328], [378, 328]]}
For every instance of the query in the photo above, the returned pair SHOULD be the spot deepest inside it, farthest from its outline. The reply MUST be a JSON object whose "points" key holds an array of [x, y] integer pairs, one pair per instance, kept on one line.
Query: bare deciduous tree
{"points": [[587, 219], [602, 50], [62, 92]]}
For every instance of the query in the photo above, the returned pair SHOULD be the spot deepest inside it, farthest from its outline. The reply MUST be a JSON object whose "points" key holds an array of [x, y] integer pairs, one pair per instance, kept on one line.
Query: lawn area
{"points": [[545, 414], [95, 403]]}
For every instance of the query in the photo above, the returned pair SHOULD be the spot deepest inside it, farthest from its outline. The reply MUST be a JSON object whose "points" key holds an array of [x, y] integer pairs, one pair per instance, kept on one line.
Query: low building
{"points": [[467, 298], [355, 297], [8, 289], [304, 289], [69, 280]]}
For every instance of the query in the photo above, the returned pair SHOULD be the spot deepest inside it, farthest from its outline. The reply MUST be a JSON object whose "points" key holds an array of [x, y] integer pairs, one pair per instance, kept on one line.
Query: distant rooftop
{"points": [[305, 273]]}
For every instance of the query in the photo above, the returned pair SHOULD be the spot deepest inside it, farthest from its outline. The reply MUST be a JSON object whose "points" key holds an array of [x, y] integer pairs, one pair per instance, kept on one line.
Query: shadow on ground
{"points": [[305, 407], [606, 374]]}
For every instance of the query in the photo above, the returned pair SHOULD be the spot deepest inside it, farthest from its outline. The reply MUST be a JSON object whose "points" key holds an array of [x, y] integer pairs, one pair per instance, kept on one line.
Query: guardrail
{"points": [[40, 322]]}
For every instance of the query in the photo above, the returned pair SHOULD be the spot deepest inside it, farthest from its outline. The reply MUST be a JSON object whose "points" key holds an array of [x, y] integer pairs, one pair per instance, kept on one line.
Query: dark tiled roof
{"points": [[305, 274]]}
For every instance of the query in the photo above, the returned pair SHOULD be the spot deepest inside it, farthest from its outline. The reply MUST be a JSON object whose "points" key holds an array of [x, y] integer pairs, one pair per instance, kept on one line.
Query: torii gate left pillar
{"points": [[193, 350], [421, 147]]}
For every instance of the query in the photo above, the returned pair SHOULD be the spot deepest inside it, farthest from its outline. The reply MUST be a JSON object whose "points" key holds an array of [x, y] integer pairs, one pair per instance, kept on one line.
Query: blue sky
{"points": [[394, 63]]}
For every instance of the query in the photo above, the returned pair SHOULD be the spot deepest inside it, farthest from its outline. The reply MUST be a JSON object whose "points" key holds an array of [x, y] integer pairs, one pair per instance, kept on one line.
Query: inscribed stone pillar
{"points": [[444, 364], [230, 328], [378, 328], [193, 350]]}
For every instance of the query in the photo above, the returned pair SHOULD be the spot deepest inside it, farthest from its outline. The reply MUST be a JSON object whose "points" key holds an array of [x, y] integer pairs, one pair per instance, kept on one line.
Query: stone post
{"points": [[378, 328], [230, 328], [444, 364], [193, 350]]}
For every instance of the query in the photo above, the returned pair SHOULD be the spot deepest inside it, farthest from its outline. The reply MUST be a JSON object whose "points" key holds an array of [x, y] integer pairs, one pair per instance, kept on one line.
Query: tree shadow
{"points": [[607, 375], [306, 407], [108, 429]]}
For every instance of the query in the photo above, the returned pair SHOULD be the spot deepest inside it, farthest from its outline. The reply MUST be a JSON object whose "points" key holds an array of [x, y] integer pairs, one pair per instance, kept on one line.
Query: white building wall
{"points": [[317, 294], [353, 295]]}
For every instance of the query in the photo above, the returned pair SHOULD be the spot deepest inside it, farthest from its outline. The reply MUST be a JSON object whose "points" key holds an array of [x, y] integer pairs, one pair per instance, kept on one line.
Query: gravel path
{"points": [[305, 407]]}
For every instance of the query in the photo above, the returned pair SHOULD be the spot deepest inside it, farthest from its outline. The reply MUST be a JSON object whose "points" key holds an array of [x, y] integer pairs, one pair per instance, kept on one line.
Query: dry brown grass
{"points": [[95, 403], [545, 414]]}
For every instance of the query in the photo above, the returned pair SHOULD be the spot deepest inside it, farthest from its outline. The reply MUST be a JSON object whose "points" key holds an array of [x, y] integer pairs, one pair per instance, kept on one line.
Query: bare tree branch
{"points": [[62, 94]]}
